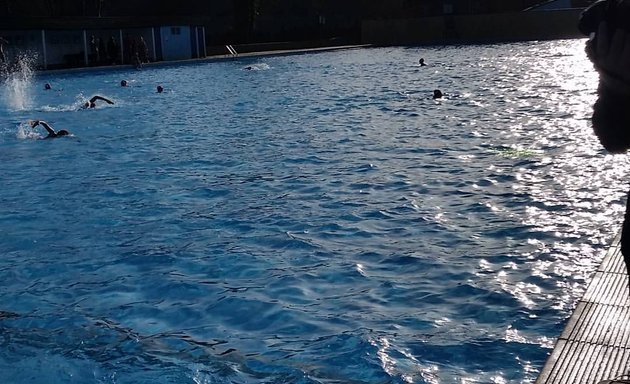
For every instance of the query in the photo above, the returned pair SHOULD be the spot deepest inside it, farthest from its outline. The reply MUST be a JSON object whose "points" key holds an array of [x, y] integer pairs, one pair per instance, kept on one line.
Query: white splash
{"points": [[17, 78], [258, 67], [26, 132]]}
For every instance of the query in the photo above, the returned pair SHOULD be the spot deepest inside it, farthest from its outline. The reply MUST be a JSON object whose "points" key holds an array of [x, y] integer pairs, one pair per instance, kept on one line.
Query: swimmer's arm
{"points": [[45, 125], [93, 99]]}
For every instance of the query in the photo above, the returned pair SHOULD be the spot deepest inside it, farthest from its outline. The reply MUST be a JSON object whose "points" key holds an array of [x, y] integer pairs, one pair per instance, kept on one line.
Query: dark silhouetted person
{"points": [[51, 132], [160, 89], [93, 50], [133, 50], [3, 57], [143, 50], [421, 62], [112, 50], [92, 102], [437, 94], [123, 83], [47, 87], [135, 61], [102, 51]]}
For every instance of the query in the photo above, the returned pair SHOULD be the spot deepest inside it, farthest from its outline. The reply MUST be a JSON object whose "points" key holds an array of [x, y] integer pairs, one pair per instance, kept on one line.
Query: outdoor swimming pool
{"points": [[318, 219]]}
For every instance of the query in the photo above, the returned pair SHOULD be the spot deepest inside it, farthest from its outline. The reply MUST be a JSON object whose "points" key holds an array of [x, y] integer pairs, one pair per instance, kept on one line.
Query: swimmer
{"points": [[47, 87], [92, 102], [160, 89], [437, 94], [51, 132], [421, 62], [123, 83]]}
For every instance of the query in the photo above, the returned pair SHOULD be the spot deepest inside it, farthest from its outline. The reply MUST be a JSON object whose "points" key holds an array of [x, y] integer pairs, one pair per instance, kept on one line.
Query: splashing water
{"points": [[16, 84], [26, 132], [258, 67], [78, 103]]}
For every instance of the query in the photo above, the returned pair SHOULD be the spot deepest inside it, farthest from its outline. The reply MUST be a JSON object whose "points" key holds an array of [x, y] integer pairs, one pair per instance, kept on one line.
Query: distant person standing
{"points": [[102, 51], [135, 61], [93, 50], [3, 57], [133, 49], [112, 50], [143, 50]]}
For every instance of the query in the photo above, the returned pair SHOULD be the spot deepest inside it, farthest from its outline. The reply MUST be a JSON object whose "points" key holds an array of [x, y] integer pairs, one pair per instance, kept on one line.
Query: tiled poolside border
{"points": [[595, 344]]}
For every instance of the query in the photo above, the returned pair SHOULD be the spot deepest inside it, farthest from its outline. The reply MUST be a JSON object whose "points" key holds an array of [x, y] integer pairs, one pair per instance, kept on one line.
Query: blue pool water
{"points": [[318, 219]]}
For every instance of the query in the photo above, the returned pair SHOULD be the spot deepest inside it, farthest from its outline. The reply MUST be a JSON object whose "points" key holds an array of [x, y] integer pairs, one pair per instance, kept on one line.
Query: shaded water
{"points": [[317, 219]]}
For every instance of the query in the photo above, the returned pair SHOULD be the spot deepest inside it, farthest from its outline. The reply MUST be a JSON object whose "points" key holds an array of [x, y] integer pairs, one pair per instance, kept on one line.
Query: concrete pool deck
{"points": [[595, 344]]}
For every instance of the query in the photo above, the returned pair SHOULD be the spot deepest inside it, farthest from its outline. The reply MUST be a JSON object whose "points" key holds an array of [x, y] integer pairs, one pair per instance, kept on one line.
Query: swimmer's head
{"points": [[437, 94], [123, 83], [47, 86], [63, 132], [160, 89]]}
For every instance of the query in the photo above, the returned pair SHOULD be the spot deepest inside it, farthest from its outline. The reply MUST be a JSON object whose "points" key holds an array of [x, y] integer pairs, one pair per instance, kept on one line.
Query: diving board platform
{"points": [[595, 344]]}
